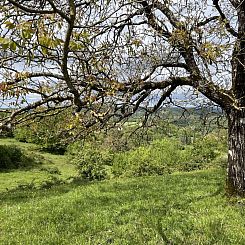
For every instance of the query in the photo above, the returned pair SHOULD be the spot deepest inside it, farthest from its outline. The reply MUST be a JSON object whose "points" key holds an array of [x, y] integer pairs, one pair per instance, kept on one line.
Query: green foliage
{"points": [[205, 152], [163, 148], [6, 133], [12, 157], [42, 135], [92, 163], [169, 155], [161, 156], [24, 134], [49, 133], [74, 148]]}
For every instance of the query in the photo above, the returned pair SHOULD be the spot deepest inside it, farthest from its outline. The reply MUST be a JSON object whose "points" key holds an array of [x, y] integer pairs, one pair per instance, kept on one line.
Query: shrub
{"points": [[92, 163], [49, 132], [49, 140], [6, 132], [12, 157], [24, 134], [74, 148], [143, 161], [169, 155], [161, 156], [205, 150]]}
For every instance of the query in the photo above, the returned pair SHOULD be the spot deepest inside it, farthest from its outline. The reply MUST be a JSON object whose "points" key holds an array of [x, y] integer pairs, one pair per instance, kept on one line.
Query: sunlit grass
{"points": [[183, 208], [36, 174]]}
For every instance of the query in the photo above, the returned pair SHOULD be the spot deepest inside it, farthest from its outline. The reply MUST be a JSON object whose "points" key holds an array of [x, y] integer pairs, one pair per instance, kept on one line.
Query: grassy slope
{"points": [[15, 178], [182, 208]]}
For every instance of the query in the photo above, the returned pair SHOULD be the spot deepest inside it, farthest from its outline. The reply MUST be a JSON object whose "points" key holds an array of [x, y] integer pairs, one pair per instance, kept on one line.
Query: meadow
{"points": [[49, 204]]}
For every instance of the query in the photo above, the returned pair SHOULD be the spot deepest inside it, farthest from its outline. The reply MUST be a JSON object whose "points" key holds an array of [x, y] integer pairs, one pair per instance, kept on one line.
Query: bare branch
{"points": [[208, 20], [30, 10], [224, 19]]}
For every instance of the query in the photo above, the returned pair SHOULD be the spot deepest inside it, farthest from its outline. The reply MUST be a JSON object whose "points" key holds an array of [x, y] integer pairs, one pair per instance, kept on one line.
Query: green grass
{"points": [[37, 174], [183, 208]]}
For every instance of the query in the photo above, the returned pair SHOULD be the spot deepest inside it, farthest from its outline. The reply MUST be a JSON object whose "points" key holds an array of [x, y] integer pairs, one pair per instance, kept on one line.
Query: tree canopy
{"points": [[112, 57]]}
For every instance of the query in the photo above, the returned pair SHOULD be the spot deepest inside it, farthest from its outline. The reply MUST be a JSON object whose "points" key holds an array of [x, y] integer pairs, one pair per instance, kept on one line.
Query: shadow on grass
{"points": [[153, 206], [26, 162], [48, 188], [118, 191], [27, 168]]}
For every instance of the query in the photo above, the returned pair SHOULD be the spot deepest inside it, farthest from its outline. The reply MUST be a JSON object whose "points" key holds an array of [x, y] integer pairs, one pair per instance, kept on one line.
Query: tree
{"points": [[109, 58]]}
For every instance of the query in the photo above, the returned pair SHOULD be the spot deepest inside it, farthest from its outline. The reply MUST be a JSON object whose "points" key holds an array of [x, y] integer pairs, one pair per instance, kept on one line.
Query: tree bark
{"points": [[236, 115], [236, 156]]}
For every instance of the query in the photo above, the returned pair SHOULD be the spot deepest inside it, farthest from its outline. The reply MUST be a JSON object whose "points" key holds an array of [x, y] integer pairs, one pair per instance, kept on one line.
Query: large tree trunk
{"points": [[236, 116], [236, 157]]}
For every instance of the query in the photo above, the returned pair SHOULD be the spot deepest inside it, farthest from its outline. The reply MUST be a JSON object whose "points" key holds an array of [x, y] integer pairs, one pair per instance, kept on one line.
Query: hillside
{"points": [[41, 207], [183, 208]]}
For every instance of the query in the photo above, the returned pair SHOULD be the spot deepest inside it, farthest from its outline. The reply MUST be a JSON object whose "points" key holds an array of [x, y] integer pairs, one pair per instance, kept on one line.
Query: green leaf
{"points": [[9, 25], [75, 46], [5, 42], [44, 51], [13, 46], [26, 34]]}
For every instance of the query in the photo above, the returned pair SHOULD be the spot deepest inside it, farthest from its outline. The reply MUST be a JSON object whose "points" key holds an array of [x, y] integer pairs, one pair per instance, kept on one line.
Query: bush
{"points": [[6, 132], [12, 157], [74, 149], [169, 155], [92, 163], [50, 133], [161, 156], [47, 139], [24, 134], [206, 150]]}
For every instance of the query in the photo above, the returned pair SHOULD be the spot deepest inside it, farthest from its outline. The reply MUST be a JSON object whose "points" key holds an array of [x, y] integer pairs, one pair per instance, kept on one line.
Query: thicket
{"points": [[130, 150], [12, 157], [167, 155]]}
